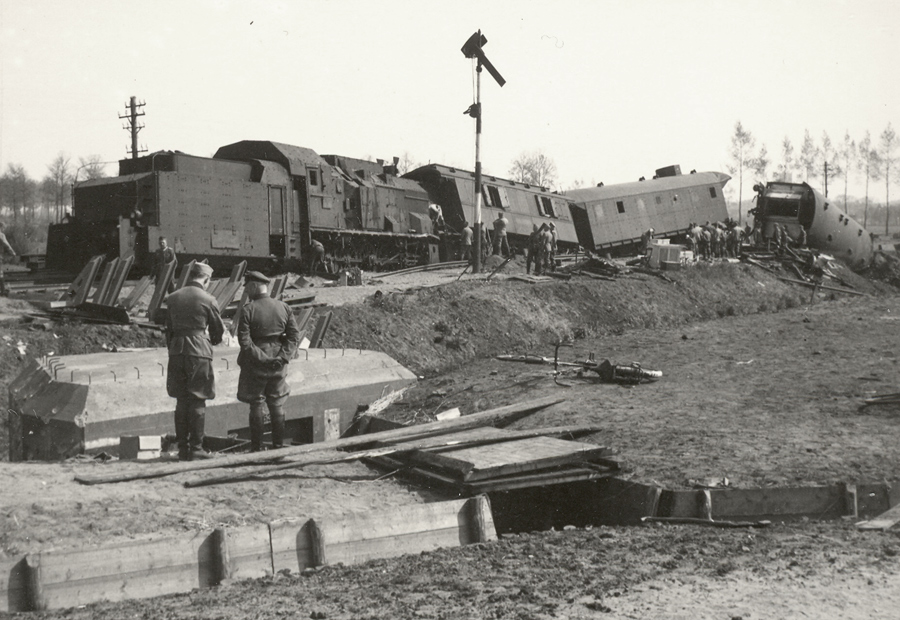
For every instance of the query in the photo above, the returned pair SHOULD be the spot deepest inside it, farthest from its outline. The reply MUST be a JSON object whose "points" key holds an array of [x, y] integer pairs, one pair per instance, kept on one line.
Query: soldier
{"points": [[501, 245], [546, 240], [163, 256], [801, 237], [465, 241], [554, 238], [269, 337], [190, 378], [5, 247], [534, 250], [316, 256]]}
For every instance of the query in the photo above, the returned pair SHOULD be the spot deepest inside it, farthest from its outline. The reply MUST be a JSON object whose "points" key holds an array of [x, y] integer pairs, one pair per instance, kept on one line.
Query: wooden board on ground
{"points": [[883, 521], [512, 457], [500, 416]]}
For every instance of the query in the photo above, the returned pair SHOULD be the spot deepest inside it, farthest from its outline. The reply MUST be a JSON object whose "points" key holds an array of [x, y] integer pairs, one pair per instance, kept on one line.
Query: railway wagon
{"points": [[829, 229], [258, 201], [612, 218], [523, 205]]}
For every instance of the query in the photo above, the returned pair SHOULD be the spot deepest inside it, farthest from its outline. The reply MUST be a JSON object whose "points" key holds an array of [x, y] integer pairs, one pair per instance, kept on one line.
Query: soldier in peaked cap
{"points": [[192, 312], [269, 337]]}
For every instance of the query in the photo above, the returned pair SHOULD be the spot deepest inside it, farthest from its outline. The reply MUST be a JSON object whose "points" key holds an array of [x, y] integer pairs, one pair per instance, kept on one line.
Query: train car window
{"points": [[620, 206], [486, 196], [548, 206], [659, 200], [540, 206], [313, 176], [712, 192]]}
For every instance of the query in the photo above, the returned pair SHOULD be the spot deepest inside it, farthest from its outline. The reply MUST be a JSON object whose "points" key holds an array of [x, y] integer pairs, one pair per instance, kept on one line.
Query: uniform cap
{"points": [[255, 276], [201, 269]]}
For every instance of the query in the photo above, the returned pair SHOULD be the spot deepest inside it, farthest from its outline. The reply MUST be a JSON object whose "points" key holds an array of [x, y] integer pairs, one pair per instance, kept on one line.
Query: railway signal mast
{"points": [[472, 49]]}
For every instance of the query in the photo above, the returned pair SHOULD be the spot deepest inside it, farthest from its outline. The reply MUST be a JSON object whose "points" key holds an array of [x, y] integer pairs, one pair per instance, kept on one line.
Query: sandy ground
{"points": [[762, 399]]}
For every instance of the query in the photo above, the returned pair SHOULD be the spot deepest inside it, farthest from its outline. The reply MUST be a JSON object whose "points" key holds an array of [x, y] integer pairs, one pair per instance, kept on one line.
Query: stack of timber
{"points": [[490, 459], [85, 300]]}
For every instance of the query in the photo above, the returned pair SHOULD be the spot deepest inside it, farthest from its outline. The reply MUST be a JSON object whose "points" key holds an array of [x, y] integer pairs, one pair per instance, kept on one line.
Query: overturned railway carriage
{"points": [[523, 205], [828, 228], [258, 201], [612, 218]]}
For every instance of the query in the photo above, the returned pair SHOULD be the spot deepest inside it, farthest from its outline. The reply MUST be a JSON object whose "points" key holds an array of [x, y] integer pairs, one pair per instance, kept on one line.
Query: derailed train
{"points": [[265, 202], [828, 228]]}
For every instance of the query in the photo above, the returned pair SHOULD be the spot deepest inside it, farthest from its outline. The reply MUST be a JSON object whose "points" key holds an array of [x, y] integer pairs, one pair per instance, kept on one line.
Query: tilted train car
{"points": [[523, 205], [612, 218], [258, 201], [828, 228]]}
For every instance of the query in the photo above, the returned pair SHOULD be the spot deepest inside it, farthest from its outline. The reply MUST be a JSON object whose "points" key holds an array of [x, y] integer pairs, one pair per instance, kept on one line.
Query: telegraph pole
{"points": [[132, 125], [472, 49]]}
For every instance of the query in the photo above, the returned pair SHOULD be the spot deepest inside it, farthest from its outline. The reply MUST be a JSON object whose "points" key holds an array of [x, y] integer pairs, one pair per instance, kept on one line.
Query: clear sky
{"points": [[610, 90]]}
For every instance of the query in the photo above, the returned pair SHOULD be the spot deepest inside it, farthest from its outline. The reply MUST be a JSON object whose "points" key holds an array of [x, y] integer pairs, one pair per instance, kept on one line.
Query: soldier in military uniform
{"points": [[190, 378], [269, 337]]}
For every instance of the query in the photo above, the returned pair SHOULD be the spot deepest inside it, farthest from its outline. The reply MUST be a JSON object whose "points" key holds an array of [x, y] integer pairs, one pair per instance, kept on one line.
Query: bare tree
{"points": [[828, 158], [809, 158], [787, 158], [90, 168], [742, 144], [57, 185], [18, 190], [534, 168], [868, 163], [760, 163], [887, 157], [406, 163], [846, 155]]}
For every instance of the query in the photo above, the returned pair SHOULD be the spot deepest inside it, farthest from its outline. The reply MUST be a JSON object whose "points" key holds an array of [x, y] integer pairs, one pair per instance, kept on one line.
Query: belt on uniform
{"points": [[266, 339], [187, 333]]}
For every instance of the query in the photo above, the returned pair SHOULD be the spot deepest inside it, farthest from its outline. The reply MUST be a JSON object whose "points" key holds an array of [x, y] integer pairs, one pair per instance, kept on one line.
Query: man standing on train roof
{"points": [[163, 256], [5, 248], [501, 244], [465, 242], [192, 312], [316, 256], [268, 337]]}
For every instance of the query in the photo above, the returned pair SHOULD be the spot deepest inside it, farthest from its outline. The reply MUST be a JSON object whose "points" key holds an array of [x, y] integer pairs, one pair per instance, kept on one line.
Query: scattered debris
{"points": [[608, 372]]}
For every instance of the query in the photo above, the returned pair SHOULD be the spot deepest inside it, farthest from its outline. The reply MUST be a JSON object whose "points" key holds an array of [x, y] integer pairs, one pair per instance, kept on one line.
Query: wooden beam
{"points": [[823, 287], [37, 601], [500, 416]]}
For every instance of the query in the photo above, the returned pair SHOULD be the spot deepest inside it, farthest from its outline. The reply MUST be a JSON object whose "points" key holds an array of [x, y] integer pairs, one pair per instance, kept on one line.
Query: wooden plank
{"points": [[123, 267], [499, 416], [136, 293], [249, 552], [163, 276], [884, 521], [291, 544], [105, 279], [527, 481], [135, 570], [824, 502], [14, 591], [483, 462], [77, 292], [410, 529], [318, 332]]}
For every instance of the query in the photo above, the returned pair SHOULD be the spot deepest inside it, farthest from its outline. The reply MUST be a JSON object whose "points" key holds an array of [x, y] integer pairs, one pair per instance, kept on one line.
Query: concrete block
{"points": [[140, 447]]}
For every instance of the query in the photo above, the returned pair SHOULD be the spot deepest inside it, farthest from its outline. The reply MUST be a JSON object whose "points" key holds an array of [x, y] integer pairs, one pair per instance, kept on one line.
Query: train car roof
{"points": [[112, 180], [634, 188], [450, 171], [294, 158]]}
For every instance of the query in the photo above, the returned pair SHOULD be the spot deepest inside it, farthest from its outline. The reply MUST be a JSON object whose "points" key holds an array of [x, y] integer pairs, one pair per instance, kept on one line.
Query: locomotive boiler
{"points": [[828, 228]]}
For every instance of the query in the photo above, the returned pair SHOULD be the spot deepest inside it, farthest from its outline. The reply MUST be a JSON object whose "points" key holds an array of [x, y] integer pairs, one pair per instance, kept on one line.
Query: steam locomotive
{"points": [[264, 202]]}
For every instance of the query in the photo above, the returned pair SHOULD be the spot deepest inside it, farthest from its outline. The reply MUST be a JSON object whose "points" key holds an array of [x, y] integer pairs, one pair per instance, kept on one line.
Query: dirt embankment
{"points": [[433, 330]]}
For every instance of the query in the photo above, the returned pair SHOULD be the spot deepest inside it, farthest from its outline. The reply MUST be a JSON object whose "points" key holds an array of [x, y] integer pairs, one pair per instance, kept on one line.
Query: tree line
{"points": [[24, 199], [823, 161]]}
